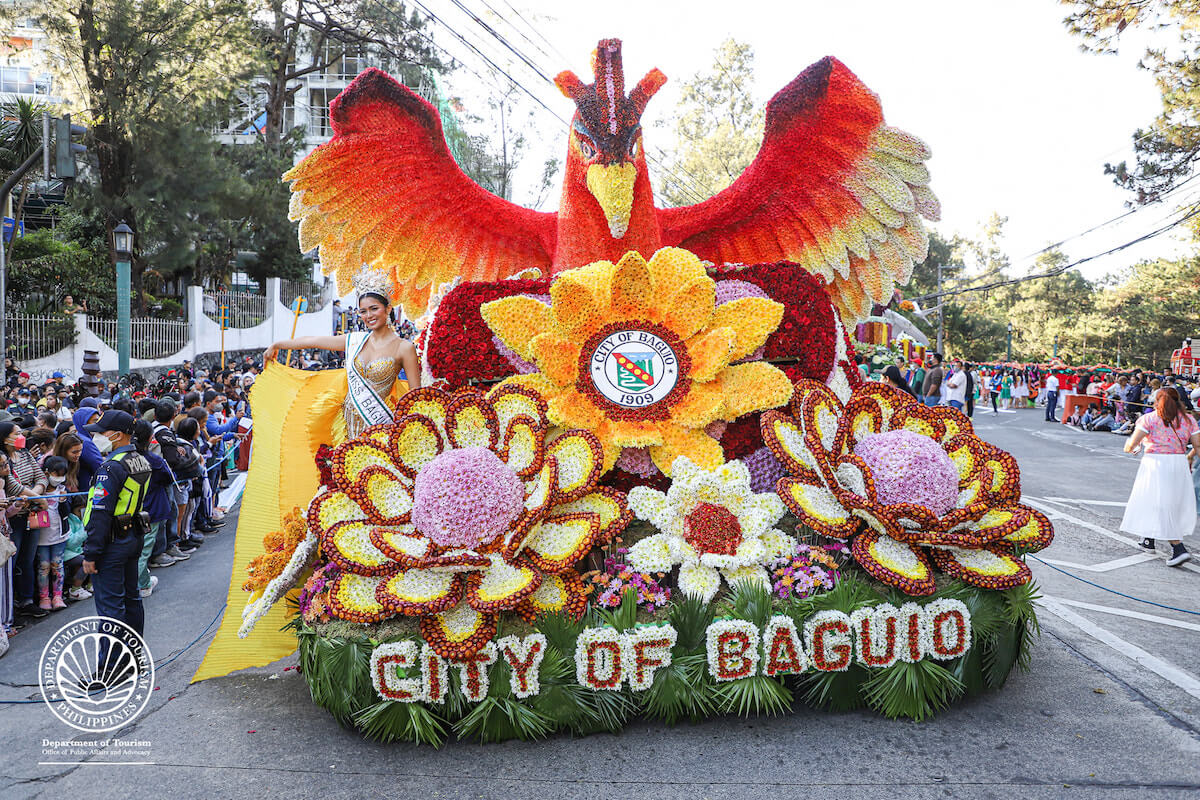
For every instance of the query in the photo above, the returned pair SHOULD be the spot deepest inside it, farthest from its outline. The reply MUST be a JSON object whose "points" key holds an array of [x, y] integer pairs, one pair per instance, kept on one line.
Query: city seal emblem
{"points": [[96, 674], [634, 368]]}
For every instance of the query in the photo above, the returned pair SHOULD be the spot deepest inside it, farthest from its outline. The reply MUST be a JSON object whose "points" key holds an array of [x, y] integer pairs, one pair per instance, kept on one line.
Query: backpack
{"points": [[182, 460]]}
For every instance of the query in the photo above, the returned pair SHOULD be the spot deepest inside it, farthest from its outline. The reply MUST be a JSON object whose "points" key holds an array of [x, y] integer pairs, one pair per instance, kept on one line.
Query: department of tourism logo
{"points": [[634, 368], [96, 674]]}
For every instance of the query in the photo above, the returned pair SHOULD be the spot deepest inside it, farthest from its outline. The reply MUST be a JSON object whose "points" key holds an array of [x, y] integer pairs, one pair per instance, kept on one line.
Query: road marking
{"points": [[1165, 669], [1107, 566], [1123, 612], [1077, 500], [1053, 513], [1060, 439]]}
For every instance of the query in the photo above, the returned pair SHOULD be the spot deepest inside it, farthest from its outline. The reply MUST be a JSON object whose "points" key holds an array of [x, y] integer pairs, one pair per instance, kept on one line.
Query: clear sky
{"points": [[1020, 121]]}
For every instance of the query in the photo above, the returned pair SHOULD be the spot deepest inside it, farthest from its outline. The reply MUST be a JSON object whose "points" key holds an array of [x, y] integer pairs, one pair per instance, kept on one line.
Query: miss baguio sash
{"points": [[367, 402]]}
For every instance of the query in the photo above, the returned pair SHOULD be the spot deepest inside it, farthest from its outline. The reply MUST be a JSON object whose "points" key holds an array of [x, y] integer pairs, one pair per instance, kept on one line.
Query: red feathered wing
{"points": [[832, 188], [385, 192]]}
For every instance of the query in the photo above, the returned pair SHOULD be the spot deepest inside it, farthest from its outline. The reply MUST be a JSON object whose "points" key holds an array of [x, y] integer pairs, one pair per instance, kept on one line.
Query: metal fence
{"points": [[30, 337], [151, 338], [289, 290], [241, 310]]}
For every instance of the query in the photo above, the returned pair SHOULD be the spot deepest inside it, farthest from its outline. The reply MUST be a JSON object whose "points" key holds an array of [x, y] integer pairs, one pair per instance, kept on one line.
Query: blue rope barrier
{"points": [[1114, 591]]}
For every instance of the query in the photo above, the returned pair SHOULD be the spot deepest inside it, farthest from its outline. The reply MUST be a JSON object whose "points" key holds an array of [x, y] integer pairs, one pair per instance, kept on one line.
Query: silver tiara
{"points": [[373, 281]]}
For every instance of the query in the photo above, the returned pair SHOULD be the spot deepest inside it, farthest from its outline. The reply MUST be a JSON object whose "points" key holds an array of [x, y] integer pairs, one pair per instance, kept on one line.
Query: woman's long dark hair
{"points": [[62, 446], [6, 429], [892, 373]]}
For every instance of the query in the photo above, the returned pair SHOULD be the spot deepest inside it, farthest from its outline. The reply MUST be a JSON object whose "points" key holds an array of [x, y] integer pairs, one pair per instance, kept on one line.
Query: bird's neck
{"points": [[583, 235]]}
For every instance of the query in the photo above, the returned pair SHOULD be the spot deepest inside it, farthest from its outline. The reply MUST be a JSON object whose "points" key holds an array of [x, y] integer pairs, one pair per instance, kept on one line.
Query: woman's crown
{"points": [[373, 281]]}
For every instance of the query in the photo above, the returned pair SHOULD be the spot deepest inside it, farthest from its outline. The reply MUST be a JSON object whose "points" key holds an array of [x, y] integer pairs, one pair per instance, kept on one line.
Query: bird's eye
{"points": [[586, 147]]}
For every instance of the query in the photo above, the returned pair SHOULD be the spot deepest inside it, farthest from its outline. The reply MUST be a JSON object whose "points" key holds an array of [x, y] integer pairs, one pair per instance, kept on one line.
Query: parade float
{"points": [[642, 476]]}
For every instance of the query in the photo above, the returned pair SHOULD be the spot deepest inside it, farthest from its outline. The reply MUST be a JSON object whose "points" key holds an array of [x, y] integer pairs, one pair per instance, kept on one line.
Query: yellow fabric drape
{"points": [[283, 400], [295, 412]]}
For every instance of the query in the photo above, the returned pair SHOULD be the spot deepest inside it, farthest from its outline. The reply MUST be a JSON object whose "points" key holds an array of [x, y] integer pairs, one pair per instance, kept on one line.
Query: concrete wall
{"points": [[204, 336]]}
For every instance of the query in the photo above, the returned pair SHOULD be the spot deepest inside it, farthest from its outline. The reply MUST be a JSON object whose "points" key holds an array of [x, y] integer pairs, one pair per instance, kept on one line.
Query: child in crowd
{"points": [[52, 538]]}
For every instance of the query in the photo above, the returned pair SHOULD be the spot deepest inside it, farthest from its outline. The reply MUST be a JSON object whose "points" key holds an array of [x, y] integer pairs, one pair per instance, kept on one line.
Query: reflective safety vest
{"points": [[132, 492]]}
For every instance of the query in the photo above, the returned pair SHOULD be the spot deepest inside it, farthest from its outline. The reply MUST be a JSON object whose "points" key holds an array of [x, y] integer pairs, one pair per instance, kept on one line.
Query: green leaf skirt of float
{"points": [[335, 660]]}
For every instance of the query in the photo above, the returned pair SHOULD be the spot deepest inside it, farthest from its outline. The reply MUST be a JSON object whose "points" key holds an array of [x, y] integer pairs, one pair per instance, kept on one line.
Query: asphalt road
{"points": [[1110, 707]]}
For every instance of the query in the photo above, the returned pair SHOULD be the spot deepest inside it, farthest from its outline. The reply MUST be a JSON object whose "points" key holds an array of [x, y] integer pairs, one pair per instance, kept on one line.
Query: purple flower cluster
{"points": [[313, 588], [619, 577], [910, 468], [466, 497], [765, 470], [807, 571]]}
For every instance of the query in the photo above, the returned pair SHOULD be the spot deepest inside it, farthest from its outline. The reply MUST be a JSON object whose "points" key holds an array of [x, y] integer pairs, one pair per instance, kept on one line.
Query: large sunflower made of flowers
{"points": [[462, 509], [913, 486], [640, 354]]}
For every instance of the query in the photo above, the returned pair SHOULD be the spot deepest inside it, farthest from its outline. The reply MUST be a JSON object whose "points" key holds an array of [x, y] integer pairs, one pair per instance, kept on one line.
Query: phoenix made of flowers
{"points": [[833, 189]]}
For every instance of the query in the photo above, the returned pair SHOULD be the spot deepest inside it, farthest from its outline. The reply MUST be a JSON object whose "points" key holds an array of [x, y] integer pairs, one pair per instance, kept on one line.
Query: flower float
{"points": [[460, 510], [712, 524], [640, 354], [912, 486]]}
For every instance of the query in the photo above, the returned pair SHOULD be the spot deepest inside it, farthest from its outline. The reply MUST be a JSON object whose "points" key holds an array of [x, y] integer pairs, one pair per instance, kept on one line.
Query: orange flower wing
{"points": [[385, 191], [832, 188]]}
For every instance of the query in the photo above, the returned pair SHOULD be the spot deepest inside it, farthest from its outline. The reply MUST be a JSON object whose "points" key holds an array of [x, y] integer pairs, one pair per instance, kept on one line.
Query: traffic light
{"points": [[66, 148]]}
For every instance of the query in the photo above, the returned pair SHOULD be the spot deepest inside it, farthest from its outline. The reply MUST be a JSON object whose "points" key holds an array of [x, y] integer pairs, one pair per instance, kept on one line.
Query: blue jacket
{"points": [[158, 503], [227, 431], [90, 460]]}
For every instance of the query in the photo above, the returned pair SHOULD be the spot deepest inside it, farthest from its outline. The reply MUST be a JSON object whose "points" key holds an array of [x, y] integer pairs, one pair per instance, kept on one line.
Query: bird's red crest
{"points": [[603, 109]]}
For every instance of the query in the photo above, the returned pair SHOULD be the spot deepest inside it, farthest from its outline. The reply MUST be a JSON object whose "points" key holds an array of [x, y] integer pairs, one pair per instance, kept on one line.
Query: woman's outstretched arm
{"points": [[336, 343]]}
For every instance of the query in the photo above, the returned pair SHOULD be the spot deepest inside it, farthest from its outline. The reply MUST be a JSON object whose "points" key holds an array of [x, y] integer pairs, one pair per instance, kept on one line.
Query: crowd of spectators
{"points": [[1120, 397], [193, 425]]}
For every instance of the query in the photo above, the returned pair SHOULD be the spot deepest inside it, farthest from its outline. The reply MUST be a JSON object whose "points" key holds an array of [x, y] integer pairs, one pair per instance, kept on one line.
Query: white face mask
{"points": [[56, 480], [103, 443]]}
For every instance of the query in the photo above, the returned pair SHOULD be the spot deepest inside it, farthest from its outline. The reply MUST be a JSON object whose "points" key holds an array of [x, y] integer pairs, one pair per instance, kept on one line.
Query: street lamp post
{"points": [[1056, 347], [123, 248], [1009, 358]]}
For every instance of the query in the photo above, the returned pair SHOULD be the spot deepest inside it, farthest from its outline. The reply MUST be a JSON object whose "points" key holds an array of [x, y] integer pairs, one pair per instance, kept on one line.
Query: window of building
{"points": [[18, 80], [318, 111]]}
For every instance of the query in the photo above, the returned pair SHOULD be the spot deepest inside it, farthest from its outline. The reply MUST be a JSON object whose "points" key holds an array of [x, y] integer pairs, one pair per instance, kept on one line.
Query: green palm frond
{"points": [[391, 721], [917, 690], [755, 695]]}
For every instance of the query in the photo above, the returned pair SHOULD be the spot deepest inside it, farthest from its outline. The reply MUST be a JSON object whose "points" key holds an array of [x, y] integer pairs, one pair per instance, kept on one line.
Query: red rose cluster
{"points": [[460, 347]]}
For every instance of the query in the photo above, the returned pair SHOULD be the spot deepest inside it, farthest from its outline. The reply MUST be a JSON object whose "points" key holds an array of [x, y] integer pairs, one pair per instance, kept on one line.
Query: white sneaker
{"points": [[1179, 558], [78, 593], [149, 589]]}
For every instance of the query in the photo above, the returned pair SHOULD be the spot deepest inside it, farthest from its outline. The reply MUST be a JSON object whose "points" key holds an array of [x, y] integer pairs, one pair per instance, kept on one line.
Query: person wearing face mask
{"points": [[116, 524], [29, 480], [52, 538], [91, 458]]}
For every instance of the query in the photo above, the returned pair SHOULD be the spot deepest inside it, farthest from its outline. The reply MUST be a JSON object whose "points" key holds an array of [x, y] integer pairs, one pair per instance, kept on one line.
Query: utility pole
{"points": [[941, 312]]}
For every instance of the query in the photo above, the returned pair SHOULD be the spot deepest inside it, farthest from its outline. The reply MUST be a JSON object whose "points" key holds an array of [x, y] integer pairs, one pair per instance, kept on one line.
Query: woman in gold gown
{"points": [[373, 362]]}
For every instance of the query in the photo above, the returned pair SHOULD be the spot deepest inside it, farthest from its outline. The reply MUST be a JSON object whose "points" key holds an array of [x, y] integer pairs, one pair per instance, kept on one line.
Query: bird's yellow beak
{"points": [[612, 186]]}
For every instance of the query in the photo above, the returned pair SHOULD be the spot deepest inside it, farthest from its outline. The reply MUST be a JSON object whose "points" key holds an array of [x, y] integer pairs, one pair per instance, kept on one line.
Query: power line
{"points": [[1106, 223], [517, 30], [669, 170], [536, 33], [478, 20], [1060, 270]]}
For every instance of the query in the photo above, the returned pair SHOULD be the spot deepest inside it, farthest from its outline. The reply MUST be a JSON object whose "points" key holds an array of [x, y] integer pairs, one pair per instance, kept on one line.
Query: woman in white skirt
{"points": [[1162, 504]]}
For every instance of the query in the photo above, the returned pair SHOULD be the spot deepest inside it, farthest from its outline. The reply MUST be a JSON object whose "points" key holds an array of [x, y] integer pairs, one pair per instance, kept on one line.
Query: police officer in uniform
{"points": [[116, 524]]}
